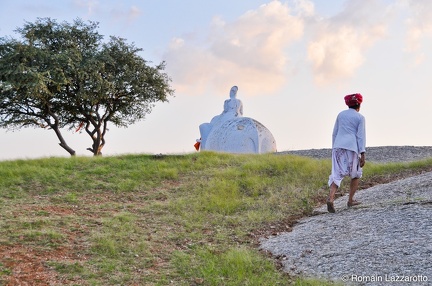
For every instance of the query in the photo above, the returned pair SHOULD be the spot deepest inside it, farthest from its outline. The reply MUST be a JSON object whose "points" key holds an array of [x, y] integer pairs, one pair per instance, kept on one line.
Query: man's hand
{"points": [[362, 160]]}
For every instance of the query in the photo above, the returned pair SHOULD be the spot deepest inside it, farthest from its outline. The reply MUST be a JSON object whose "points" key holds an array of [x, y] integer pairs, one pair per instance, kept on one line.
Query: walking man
{"points": [[348, 149]]}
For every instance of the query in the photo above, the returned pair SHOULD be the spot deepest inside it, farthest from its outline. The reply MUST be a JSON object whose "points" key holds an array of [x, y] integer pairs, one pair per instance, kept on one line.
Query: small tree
{"points": [[64, 76]]}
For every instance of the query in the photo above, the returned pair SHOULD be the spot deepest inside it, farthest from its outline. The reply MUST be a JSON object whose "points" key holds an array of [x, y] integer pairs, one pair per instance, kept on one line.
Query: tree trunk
{"points": [[98, 133], [98, 143], [63, 142]]}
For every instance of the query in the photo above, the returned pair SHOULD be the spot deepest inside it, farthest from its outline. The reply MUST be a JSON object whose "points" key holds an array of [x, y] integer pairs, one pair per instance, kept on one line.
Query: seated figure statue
{"points": [[233, 107], [233, 133]]}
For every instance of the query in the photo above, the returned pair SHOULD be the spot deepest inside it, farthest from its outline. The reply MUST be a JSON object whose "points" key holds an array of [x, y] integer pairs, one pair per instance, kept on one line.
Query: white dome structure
{"points": [[232, 133], [240, 135]]}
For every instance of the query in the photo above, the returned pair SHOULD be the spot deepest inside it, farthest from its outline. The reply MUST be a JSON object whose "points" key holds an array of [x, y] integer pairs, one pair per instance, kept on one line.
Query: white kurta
{"points": [[349, 131], [348, 141]]}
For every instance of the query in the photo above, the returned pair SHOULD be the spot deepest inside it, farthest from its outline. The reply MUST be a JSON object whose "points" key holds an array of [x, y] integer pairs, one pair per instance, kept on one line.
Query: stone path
{"points": [[385, 241], [382, 154]]}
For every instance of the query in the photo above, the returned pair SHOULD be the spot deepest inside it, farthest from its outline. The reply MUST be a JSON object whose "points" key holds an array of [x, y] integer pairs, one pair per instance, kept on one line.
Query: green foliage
{"points": [[4, 271], [159, 220], [63, 75], [375, 170], [262, 187], [236, 266], [67, 268], [114, 240], [44, 237]]}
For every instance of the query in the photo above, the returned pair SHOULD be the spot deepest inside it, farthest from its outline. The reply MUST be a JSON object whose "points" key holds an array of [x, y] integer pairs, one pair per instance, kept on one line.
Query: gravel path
{"points": [[376, 154], [385, 241]]}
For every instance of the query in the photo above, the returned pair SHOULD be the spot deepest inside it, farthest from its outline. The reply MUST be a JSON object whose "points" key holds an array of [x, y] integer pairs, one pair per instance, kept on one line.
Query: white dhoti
{"points": [[344, 163]]}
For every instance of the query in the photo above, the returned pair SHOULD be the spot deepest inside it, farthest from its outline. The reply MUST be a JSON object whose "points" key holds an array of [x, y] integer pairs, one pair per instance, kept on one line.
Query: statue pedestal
{"points": [[230, 132], [240, 135]]}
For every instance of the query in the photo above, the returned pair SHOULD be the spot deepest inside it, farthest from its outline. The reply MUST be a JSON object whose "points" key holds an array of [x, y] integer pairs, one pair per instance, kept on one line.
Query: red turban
{"points": [[353, 99]]}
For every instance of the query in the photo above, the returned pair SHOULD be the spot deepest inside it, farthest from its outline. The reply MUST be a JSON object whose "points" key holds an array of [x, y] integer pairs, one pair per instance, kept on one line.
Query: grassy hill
{"points": [[191, 219]]}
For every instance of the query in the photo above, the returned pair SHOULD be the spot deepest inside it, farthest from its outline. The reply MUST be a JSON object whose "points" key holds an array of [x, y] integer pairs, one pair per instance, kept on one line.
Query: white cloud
{"points": [[249, 52], [119, 13], [89, 5], [340, 43], [134, 12], [419, 28], [305, 8], [125, 15], [255, 51]]}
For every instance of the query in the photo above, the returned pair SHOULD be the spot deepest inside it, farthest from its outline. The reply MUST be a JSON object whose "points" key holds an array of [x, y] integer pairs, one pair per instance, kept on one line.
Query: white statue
{"points": [[231, 132], [233, 107]]}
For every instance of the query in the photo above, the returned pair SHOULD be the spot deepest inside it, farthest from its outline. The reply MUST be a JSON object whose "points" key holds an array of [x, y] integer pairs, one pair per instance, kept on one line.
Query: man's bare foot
{"points": [[330, 207], [353, 203]]}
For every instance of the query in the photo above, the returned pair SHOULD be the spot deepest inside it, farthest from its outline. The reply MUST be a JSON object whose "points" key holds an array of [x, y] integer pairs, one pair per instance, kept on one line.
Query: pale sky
{"points": [[293, 62]]}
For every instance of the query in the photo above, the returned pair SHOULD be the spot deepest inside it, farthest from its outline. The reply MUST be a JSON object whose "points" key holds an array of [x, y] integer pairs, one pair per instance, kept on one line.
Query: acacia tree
{"points": [[62, 75]]}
